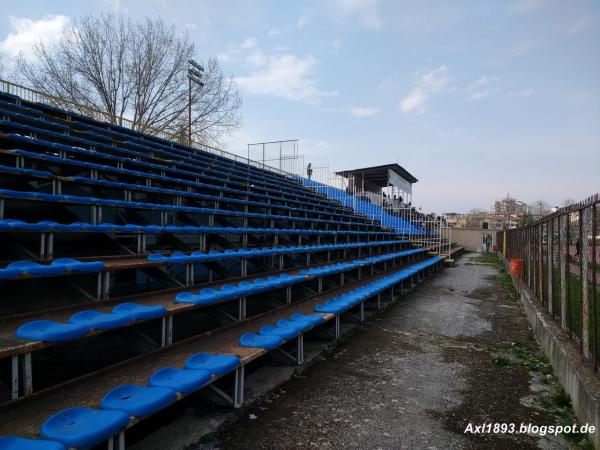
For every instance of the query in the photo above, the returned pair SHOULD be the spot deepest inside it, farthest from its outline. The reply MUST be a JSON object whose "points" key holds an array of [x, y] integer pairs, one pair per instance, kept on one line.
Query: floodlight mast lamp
{"points": [[195, 74]]}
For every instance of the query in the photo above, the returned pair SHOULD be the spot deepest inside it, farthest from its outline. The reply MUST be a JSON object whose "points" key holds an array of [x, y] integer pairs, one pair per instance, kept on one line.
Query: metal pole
{"points": [[190, 110]]}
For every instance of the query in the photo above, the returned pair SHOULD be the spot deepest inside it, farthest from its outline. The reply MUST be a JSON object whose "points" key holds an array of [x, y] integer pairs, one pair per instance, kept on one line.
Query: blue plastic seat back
{"points": [[138, 401], [34, 269], [187, 297], [312, 318], [83, 427], [260, 341], [140, 311], [101, 321], [17, 443], [215, 364], [49, 331]]}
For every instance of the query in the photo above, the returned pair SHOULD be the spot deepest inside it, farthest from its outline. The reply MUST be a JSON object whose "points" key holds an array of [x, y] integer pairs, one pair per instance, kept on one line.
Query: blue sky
{"points": [[475, 98]]}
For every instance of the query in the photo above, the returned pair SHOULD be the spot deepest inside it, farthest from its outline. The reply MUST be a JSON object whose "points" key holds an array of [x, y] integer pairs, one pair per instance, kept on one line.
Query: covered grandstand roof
{"points": [[378, 175]]}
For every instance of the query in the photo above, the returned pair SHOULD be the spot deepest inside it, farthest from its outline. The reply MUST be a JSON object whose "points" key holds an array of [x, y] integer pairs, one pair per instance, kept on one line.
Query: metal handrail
{"points": [[34, 95]]}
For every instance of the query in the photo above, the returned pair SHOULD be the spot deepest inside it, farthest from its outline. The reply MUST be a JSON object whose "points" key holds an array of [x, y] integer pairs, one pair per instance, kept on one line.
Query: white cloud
{"points": [[249, 43], [302, 22], [366, 10], [364, 111], [337, 43], [521, 93], [25, 33], [274, 32], [525, 6], [431, 82], [481, 88], [286, 76]]}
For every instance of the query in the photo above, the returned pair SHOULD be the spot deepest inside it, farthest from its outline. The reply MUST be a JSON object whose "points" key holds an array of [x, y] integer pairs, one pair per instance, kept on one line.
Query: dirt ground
{"points": [[456, 350]]}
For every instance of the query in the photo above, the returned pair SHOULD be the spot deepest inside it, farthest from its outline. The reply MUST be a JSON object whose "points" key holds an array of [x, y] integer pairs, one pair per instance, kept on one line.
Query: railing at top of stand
{"points": [[34, 95]]}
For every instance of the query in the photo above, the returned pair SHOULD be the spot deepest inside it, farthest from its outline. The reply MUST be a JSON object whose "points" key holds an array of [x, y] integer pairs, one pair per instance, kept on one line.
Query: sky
{"points": [[476, 99]]}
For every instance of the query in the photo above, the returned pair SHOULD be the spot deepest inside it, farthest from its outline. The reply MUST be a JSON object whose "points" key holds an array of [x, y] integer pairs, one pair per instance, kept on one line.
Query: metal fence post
{"points": [[562, 250], [584, 230], [550, 243]]}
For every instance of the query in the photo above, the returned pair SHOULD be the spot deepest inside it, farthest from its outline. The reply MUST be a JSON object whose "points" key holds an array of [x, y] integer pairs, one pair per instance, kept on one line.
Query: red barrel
{"points": [[516, 267]]}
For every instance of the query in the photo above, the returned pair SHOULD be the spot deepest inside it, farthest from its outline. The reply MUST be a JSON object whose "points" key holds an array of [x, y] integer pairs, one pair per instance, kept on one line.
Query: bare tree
{"points": [[114, 69], [539, 208], [568, 201]]}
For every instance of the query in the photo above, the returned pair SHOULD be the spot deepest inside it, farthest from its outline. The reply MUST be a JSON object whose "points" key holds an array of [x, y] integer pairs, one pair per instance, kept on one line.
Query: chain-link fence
{"points": [[561, 267]]}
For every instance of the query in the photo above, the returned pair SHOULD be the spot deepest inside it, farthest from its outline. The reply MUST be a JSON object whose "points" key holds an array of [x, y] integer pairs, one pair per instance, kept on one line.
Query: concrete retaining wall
{"points": [[472, 238], [574, 373]]}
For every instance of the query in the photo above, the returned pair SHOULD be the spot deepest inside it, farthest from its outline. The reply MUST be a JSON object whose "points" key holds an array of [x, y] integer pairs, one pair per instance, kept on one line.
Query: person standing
{"points": [[309, 171]]}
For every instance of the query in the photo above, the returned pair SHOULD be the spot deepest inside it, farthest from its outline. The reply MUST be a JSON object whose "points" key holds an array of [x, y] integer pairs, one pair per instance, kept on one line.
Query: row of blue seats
{"points": [[47, 226], [216, 255], [202, 171], [143, 188], [270, 337], [123, 314], [79, 427], [53, 147], [240, 174], [228, 291], [138, 187], [82, 322], [351, 298], [59, 198], [60, 266], [166, 150]]}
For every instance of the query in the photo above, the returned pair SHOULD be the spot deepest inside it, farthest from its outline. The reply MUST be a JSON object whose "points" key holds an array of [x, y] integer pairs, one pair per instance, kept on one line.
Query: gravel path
{"points": [[412, 377]]}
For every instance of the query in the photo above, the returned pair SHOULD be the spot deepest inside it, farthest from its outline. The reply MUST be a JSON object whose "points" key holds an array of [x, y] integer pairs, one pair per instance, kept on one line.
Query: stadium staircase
{"points": [[137, 274]]}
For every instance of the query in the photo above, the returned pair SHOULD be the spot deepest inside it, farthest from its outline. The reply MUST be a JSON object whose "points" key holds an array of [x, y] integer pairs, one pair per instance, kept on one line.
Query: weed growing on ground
{"points": [[558, 403]]}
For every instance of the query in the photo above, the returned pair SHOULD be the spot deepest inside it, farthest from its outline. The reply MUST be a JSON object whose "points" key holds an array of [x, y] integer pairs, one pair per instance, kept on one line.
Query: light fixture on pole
{"points": [[195, 74]]}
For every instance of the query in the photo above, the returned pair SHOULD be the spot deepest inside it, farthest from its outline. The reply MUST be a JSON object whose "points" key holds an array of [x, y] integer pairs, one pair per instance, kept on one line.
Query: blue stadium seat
{"points": [[332, 307], [285, 333], [313, 319], [140, 312], [260, 341], [207, 296], [9, 273], [215, 364], [187, 297], [83, 427], [48, 331], [228, 292], [73, 265], [17, 443], [33, 269], [138, 401], [300, 326], [101, 321], [181, 380]]}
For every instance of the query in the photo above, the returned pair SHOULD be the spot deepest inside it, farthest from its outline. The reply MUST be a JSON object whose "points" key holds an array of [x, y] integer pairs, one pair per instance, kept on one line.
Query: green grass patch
{"points": [[487, 258], [559, 404], [501, 361]]}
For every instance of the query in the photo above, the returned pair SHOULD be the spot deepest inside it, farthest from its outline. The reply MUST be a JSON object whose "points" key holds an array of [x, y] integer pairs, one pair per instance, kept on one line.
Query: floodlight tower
{"points": [[195, 75]]}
